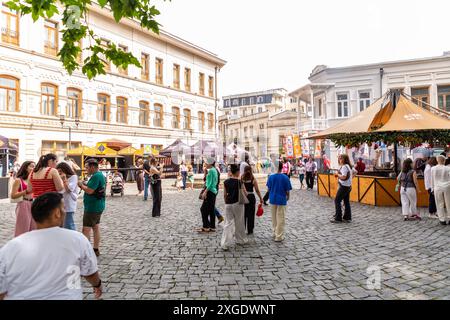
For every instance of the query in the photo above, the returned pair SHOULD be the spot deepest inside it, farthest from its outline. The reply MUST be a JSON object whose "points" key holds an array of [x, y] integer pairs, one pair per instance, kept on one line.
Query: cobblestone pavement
{"points": [[163, 258]]}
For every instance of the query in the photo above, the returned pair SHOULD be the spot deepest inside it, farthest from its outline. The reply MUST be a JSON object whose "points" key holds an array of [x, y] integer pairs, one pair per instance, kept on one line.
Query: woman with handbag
{"points": [[235, 199], [251, 186], [21, 194]]}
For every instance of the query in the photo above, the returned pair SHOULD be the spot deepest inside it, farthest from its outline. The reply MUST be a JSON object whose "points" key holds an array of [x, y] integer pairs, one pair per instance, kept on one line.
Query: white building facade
{"points": [[257, 121], [172, 97], [335, 94]]}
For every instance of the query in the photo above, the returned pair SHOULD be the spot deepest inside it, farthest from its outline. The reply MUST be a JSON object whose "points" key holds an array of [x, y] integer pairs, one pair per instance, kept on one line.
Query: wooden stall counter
{"points": [[375, 191]]}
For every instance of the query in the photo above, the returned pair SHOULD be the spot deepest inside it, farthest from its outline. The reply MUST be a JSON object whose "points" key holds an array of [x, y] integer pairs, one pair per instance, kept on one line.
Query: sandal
{"points": [[203, 230]]}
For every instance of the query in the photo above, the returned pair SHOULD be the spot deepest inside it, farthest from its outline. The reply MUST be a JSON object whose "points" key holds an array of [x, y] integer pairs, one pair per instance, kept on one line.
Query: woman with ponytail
{"points": [[45, 178]]}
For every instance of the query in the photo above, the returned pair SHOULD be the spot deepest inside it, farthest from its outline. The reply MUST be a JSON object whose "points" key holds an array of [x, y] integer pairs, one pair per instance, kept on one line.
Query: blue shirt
{"points": [[278, 184]]}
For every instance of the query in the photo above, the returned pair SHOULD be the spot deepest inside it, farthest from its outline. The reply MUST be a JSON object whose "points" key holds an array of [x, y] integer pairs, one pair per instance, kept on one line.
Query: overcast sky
{"points": [[276, 43]]}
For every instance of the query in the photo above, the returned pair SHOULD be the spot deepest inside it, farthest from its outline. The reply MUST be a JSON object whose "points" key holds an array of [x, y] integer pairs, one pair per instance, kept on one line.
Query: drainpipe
{"points": [[216, 69], [381, 81]]}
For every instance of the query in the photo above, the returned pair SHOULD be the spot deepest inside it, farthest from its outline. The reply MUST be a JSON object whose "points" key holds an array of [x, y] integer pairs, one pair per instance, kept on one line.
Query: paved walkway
{"points": [[163, 258]]}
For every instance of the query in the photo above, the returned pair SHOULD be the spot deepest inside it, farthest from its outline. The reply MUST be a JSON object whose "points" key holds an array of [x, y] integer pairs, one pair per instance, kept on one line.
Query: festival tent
{"points": [[177, 147]]}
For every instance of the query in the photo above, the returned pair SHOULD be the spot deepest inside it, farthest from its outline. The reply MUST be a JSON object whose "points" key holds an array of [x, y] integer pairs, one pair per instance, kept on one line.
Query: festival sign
{"points": [[297, 146]]}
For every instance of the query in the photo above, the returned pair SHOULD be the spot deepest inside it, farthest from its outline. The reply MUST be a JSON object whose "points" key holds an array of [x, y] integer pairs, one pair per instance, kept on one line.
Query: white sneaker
{"points": [[433, 216], [225, 248]]}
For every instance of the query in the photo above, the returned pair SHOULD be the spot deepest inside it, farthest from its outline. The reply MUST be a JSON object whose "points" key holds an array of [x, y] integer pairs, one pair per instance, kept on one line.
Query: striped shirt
{"points": [[41, 186]]}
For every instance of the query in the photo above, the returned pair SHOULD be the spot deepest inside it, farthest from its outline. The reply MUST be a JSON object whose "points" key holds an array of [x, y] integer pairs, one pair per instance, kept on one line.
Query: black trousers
{"points": [[432, 202], [310, 180], [266, 196], [207, 210], [157, 198], [250, 213], [343, 194]]}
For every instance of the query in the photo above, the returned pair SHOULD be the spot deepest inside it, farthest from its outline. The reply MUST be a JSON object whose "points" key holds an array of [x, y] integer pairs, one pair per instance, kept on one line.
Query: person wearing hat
{"points": [[209, 198], [94, 202]]}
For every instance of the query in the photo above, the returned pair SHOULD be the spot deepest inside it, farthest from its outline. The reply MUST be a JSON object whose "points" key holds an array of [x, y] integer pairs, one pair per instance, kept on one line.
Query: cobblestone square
{"points": [[164, 258]]}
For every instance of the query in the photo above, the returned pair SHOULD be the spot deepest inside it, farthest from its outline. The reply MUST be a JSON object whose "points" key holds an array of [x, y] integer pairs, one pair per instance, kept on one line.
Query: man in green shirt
{"points": [[209, 197], [94, 202]]}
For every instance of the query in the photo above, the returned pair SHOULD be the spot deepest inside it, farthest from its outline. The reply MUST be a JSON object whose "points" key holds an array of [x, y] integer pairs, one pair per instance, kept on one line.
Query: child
{"points": [[179, 182]]}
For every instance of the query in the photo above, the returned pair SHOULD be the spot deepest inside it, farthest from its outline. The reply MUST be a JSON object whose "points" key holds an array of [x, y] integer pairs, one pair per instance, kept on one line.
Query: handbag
{"points": [[200, 195], [260, 211], [19, 199], [242, 196]]}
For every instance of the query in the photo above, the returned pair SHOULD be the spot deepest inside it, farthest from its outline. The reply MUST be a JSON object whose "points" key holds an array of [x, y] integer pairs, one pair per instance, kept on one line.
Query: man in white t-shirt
{"points": [[46, 264]]}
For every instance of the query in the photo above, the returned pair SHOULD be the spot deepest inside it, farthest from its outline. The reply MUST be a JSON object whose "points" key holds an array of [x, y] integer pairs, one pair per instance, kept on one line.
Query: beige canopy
{"points": [[407, 116], [357, 124], [378, 117]]}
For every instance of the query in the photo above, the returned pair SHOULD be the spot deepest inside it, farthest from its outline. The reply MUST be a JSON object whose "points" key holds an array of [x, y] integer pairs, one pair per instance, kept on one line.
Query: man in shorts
{"points": [[94, 202]]}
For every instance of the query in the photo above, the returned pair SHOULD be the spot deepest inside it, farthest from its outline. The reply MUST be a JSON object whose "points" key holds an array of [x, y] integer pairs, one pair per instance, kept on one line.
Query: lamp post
{"points": [[62, 120]]}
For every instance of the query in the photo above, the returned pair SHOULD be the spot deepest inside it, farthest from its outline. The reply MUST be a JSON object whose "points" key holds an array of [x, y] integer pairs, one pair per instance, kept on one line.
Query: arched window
{"points": [[187, 119], [176, 118], [74, 103], [103, 107], [158, 119], [201, 121], [144, 112], [9, 93], [122, 110], [49, 99]]}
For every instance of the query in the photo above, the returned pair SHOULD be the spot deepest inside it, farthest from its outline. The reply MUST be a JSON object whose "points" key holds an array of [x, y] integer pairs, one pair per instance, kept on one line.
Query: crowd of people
{"points": [[46, 196]]}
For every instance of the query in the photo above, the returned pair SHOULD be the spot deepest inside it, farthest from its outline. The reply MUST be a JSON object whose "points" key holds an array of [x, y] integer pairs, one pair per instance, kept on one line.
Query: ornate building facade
{"points": [[172, 97]]}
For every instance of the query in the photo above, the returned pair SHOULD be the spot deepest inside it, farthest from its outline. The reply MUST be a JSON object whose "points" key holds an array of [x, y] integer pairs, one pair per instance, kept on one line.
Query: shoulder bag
{"points": [[19, 199], [242, 196]]}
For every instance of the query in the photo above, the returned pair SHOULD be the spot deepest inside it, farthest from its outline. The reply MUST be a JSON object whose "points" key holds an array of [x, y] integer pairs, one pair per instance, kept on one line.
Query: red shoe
{"points": [[416, 217]]}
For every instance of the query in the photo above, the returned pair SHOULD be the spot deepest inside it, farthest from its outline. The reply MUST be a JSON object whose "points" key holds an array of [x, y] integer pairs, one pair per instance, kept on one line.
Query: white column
{"points": [[312, 108]]}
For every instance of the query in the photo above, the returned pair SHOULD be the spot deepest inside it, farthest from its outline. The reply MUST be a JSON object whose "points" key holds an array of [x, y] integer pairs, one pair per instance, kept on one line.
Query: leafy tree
{"points": [[76, 28]]}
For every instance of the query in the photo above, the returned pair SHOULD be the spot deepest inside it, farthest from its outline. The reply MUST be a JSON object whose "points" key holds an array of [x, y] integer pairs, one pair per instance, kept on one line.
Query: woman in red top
{"points": [[45, 178]]}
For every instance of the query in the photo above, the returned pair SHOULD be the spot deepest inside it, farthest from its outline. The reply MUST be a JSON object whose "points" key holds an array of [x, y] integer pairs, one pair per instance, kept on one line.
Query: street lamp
{"points": [[62, 119]]}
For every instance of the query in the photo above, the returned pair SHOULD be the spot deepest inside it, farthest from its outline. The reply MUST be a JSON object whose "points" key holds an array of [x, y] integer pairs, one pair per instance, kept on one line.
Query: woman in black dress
{"points": [[155, 184], [251, 186]]}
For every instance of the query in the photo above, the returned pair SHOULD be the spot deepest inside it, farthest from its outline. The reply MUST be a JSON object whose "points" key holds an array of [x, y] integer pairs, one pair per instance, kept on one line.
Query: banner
{"points": [[318, 149], [297, 147], [305, 147], [289, 147]]}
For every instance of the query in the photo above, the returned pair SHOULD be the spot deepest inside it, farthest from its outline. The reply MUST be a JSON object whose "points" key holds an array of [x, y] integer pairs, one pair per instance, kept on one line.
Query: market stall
{"points": [[394, 120], [172, 157]]}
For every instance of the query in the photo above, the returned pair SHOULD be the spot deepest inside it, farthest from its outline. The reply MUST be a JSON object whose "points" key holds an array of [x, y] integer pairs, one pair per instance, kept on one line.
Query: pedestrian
{"points": [[301, 173], [44, 177], [286, 168], [243, 164], [251, 186], [140, 176], [184, 173], [156, 171], [146, 171], [432, 210], [408, 192], [179, 182], [344, 175], [45, 264], [191, 177], [441, 185], [209, 198], [311, 170], [360, 166], [94, 202], [70, 195], [234, 228], [21, 193], [279, 186]]}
